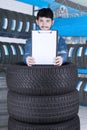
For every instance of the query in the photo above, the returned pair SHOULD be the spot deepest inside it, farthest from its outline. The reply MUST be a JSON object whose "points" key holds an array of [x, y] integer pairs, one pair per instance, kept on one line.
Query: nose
{"points": [[44, 23]]}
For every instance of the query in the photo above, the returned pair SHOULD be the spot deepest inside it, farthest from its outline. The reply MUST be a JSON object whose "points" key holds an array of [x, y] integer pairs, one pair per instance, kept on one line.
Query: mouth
{"points": [[44, 27]]}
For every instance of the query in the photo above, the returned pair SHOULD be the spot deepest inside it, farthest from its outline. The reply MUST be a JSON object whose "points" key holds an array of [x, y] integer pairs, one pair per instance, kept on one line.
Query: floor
{"points": [[83, 117]]}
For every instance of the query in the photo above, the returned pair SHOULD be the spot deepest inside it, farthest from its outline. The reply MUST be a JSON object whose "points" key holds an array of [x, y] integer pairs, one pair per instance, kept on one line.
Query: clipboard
{"points": [[44, 46]]}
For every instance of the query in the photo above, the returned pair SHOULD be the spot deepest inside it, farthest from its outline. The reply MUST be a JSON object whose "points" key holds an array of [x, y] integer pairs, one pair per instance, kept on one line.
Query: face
{"points": [[44, 23]]}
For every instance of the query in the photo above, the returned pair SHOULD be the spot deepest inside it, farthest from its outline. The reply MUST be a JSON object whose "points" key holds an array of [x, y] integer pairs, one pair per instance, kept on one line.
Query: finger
{"points": [[30, 62], [58, 62]]}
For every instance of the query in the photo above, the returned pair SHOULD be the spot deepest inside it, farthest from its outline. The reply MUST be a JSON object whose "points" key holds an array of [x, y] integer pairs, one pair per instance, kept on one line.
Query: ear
{"points": [[36, 21], [52, 22]]}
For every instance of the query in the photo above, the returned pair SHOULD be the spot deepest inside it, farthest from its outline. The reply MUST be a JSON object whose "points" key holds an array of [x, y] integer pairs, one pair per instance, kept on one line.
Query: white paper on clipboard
{"points": [[44, 45]]}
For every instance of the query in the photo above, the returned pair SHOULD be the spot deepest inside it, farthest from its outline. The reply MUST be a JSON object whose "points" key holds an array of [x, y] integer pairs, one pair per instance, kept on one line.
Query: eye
{"points": [[41, 20], [47, 21]]}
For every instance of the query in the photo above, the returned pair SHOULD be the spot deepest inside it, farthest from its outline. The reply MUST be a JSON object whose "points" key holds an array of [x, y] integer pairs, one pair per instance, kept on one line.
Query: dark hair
{"points": [[45, 12]]}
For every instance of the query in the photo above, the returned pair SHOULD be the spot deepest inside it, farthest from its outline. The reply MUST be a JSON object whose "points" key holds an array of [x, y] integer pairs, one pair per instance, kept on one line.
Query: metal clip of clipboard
{"points": [[42, 31]]}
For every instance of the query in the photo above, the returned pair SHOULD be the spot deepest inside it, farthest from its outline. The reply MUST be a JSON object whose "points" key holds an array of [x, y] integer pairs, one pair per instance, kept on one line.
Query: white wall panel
{"points": [[16, 6]]}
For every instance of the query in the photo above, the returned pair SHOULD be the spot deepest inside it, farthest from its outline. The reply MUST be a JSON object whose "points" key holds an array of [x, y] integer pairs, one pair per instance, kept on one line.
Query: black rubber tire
{"points": [[0, 55], [3, 93], [72, 54], [20, 57], [42, 80], [43, 109], [80, 58], [3, 83], [20, 19], [85, 56], [3, 121], [5, 17], [73, 124], [16, 56], [4, 128], [3, 108], [3, 100], [5, 53], [83, 94]]}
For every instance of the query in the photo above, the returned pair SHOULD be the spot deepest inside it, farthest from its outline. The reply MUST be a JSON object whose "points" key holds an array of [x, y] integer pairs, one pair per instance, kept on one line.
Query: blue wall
{"points": [[75, 26]]}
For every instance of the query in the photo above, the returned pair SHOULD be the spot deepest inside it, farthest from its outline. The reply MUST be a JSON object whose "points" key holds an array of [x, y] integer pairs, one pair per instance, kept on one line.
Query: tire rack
{"points": [[78, 55], [3, 101], [11, 53], [13, 25]]}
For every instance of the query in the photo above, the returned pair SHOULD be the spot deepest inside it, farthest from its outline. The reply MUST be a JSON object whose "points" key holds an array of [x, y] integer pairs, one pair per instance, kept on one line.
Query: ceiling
{"points": [[76, 4], [81, 2], [73, 6]]}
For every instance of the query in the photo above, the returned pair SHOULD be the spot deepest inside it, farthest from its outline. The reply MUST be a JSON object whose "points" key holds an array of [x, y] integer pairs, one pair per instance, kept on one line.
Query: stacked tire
{"points": [[11, 53], [43, 97], [82, 88], [78, 54], [15, 24], [3, 101]]}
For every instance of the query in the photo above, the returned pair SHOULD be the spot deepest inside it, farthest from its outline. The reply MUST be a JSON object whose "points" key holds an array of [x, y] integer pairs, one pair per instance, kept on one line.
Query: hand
{"points": [[58, 61], [30, 61]]}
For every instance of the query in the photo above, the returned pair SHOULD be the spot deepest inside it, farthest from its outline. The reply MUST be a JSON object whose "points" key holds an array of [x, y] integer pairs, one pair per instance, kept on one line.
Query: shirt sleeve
{"points": [[62, 49], [28, 50]]}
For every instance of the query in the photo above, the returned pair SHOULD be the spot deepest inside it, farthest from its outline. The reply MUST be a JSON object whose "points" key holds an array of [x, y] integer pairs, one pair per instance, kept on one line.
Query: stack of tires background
{"points": [[15, 28], [14, 25], [43, 97], [11, 53], [78, 56], [3, 101]]}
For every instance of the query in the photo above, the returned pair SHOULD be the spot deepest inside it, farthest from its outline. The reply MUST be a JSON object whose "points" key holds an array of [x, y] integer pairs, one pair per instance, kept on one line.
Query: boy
{"points": [[45, 21]]}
